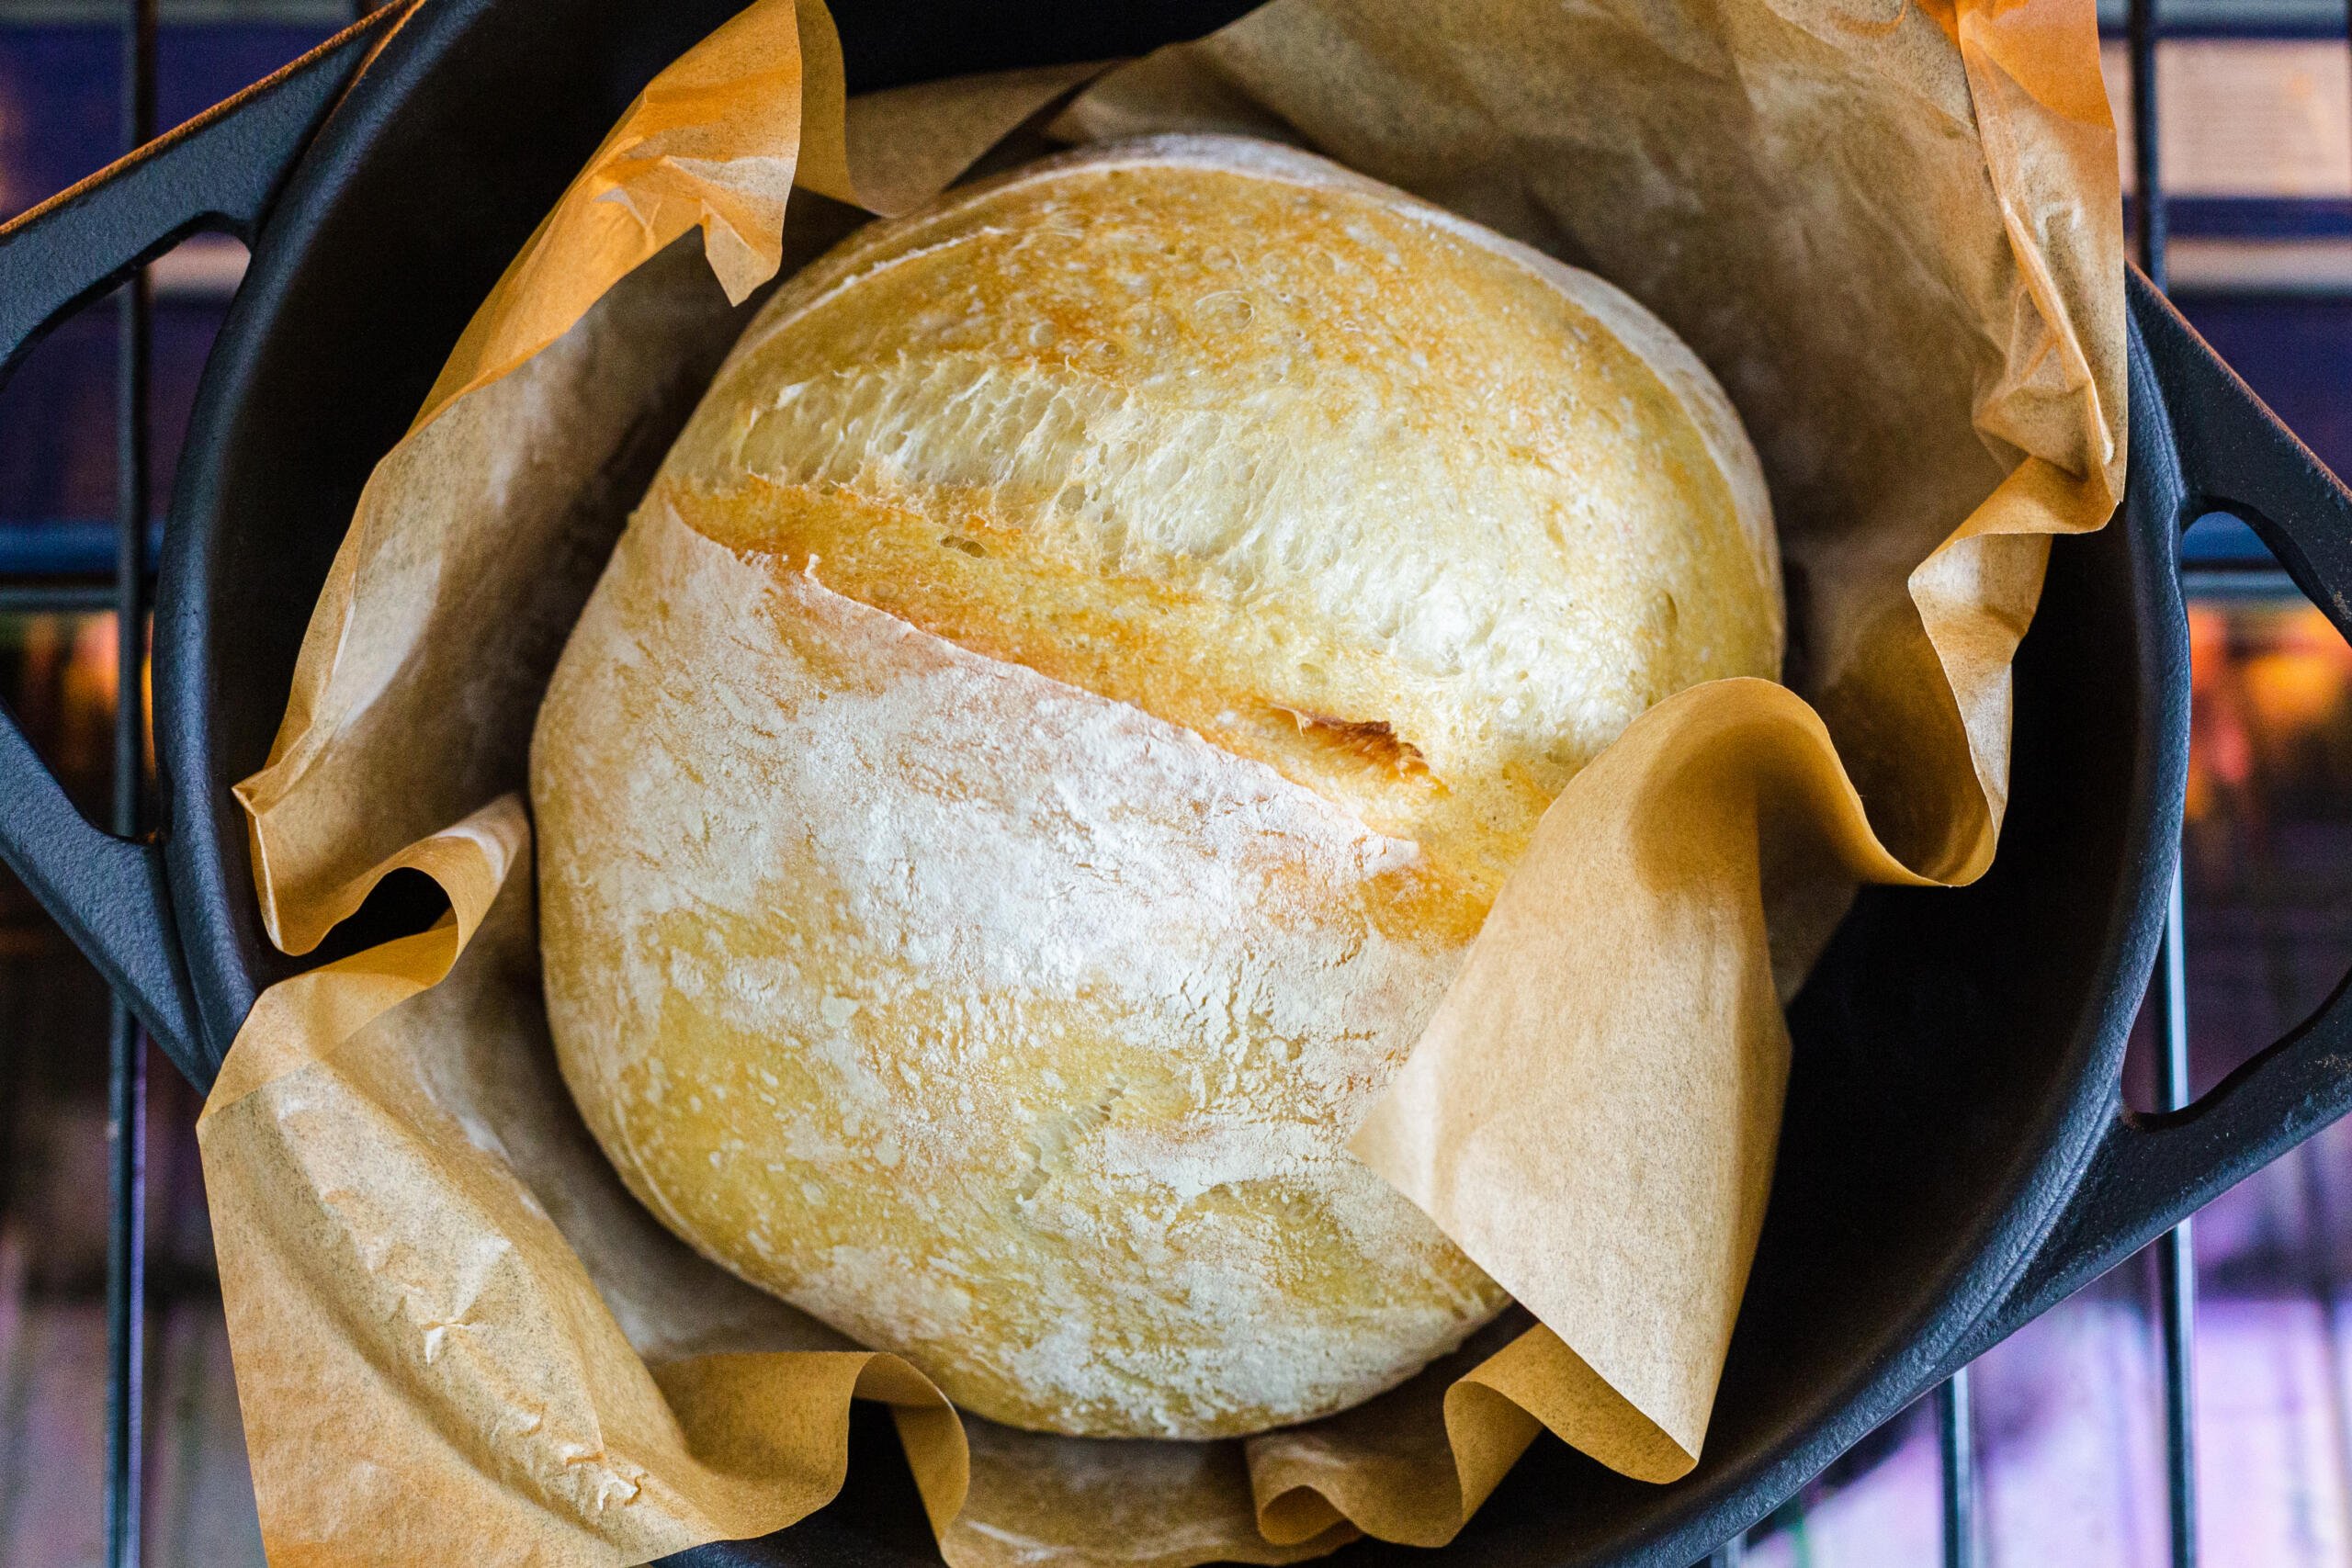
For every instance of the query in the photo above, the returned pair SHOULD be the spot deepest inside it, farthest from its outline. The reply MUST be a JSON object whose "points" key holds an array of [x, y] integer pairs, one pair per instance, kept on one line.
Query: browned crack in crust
{"points": [[960, 574], [1373, 742], [1414, 528]]}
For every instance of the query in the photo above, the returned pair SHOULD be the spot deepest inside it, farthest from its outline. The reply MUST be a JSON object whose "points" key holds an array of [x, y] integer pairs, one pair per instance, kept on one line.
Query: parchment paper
{"points": [[1894, 232]]}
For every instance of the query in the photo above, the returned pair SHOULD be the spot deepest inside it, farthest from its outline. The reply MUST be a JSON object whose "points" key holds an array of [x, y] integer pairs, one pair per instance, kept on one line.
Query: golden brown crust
{"points": [[1234, 447]]}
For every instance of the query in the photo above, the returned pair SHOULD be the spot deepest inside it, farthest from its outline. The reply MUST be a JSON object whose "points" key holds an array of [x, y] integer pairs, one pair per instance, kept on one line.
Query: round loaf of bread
{"points": [[1052, 730]]}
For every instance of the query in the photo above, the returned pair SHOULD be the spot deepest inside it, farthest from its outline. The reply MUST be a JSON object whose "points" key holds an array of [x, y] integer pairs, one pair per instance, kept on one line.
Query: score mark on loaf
{"points": [[1054, 727]]}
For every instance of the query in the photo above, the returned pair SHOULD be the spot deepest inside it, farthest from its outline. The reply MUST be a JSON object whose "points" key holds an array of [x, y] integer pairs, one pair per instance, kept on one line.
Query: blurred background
{"points": [[2256, 140]]}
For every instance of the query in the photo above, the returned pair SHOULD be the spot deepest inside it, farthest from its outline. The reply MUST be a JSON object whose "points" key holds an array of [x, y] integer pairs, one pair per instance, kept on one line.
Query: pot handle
{"points": [[2152, 1171], [221, 171]]}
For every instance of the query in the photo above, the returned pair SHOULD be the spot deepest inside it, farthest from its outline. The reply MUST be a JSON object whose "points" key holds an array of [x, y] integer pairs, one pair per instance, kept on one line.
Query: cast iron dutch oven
{"points": [[1957, 1156]]}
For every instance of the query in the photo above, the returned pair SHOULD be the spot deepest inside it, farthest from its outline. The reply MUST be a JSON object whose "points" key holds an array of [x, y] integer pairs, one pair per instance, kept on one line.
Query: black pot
{"points": [[1957, 1158]]}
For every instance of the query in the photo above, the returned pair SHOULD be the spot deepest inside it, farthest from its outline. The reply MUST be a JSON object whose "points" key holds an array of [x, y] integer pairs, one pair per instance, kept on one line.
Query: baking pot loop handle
{"points": [[219, 172], [2152, 1170]]}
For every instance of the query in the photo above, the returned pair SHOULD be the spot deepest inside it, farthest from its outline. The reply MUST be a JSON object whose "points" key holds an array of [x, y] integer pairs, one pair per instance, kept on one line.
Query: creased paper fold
{"points": [[1894, 233]]}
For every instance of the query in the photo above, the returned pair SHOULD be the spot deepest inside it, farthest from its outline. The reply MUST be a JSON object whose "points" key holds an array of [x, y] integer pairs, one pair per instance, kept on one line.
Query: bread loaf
{"points": [[1054, 727]]}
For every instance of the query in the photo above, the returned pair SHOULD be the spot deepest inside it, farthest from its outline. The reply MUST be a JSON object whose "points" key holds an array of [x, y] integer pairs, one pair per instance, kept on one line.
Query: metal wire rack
{"points": [[126, 1051], [126, 597]]}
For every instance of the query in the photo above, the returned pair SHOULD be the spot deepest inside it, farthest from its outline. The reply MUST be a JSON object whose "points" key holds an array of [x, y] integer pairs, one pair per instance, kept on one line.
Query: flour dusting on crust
{"points": [[991, 1020]]}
